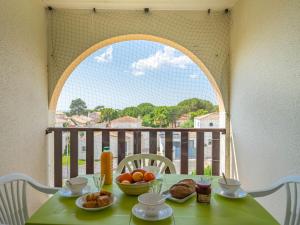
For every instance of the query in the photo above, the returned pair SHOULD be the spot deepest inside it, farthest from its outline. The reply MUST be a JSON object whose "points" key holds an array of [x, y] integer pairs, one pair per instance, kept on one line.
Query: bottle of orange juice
{"points": [[107, 165]]}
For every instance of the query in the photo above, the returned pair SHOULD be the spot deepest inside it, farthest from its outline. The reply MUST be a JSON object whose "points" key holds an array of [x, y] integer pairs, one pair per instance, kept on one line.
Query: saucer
{"points": [[164, 213], [79, 203], [65, 192], [240, 193]]}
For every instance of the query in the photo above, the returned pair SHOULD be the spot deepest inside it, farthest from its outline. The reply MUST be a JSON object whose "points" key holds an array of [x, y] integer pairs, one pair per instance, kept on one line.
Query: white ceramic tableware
{"points": [[151, 203], [81, 200], [240, 193], [67, 193], [164, 212], [76, 184], [231, 187]]}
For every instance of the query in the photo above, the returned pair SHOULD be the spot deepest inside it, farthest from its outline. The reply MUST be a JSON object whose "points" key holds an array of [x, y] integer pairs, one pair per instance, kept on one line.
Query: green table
{"points": [[221, 211]]}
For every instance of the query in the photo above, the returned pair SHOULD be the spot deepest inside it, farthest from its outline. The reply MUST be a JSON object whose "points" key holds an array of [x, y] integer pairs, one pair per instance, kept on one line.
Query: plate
{"points": [[240, 193], [165, 212], [65, 192], [178, 200], [79, 202]]}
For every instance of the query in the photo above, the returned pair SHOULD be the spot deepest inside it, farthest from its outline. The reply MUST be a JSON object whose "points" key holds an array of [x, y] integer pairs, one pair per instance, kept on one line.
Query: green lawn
{"points": [[66, 160]]}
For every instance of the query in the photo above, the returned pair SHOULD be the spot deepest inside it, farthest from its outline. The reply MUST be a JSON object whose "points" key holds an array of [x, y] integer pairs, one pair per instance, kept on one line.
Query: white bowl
{"points": [[151, 203], [231, 187], [76, 184]]}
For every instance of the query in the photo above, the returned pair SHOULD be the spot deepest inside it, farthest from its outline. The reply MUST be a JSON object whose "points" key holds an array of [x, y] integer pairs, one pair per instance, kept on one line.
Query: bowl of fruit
{"points": [[137, 182]]}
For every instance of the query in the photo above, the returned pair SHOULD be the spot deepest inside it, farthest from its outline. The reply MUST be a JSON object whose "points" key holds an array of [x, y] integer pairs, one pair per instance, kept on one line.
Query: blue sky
{"points": [[132, 72]]}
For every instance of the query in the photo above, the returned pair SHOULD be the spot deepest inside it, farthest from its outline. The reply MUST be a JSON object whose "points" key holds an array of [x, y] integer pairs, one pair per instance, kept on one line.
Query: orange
{"points": [[138, 170], [125, 176], [137, 176], [125, 182], [148, 176]]}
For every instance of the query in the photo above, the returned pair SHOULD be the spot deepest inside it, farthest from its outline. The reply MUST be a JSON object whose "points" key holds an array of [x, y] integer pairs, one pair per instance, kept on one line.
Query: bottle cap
{"points": [[106, 148]]}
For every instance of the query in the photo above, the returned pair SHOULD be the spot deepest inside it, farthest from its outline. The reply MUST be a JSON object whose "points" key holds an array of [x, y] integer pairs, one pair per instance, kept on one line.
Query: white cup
{"points": [[231, 187], [151, 202], [76, 184]]}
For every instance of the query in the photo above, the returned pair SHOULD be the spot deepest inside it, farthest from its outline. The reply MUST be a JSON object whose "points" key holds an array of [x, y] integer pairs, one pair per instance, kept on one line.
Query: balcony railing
{"points": [[121, 142]]}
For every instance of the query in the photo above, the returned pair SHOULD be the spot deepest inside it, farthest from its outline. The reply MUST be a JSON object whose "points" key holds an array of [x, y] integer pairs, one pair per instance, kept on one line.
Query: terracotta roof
{"points": [[81, 119], [210, 116], [126, 119]]}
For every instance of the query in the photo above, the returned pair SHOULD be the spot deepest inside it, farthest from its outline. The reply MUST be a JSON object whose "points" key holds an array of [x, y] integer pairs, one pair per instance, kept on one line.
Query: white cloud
{"points": [[195, 76], [106, 56], [167, 56]]}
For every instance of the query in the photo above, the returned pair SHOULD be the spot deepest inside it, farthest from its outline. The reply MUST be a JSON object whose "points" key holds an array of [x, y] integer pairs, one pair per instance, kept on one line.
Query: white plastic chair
{"points": [[13, 201], [145, 160], [291, 183]]}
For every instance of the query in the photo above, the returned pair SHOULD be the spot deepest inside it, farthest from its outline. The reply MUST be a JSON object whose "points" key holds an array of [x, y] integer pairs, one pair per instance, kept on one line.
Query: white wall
{"points": [[265, 92], [23, 90]]}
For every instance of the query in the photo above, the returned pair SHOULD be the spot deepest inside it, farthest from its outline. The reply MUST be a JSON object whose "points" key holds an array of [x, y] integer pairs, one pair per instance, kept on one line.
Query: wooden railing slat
{"points": [[58, 158], [169, 147], [105, 138], [153, 142], [121, 145], [184, 152], [137, 142], [58, 139], [216, 153], [74, 153], [200, 153], [90, 152]]}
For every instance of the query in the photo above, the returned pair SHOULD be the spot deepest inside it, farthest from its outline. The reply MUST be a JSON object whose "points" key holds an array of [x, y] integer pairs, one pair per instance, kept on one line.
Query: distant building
{"points": [[81, 121], [61, 120], [182, 119], [211, 120], [94, 116], [126, 122]]}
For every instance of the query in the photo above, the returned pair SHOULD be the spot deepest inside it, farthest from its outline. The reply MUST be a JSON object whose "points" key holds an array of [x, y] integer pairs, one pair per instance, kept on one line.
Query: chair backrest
{"points": [[292, 186], [143, 160], [13, 202]]}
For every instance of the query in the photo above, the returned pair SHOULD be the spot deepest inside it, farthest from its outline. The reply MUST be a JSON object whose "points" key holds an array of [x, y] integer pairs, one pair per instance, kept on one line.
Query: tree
{"points": [[145, 108], [194, 104], [78, 107], [98, 108], [188, 124], [161, 116], [174, 114], [108, 114], [199, 112], [130, 111]]}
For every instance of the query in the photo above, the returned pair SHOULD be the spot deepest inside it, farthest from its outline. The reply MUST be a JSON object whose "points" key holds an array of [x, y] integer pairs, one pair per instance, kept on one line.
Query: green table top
{"points": [[221, 211]]}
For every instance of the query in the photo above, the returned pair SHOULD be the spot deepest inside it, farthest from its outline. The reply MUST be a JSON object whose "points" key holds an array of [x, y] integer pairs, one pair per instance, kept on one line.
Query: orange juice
{"points": [[106, 160]]}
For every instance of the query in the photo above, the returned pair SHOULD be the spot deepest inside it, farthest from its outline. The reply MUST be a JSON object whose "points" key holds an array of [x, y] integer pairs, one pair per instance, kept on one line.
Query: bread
{"points": [[183, 188], [189, 182], [103, 200], [90, 204], [98, 199]]}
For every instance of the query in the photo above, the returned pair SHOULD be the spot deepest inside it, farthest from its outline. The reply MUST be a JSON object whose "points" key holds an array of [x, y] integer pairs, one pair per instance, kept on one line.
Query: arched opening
{"points": [[176, 123], [129, 37]]}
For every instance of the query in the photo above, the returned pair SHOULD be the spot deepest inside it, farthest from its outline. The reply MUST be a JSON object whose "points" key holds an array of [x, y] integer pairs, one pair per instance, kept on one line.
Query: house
{"points": [[126, 122], [211, 120], [94, 116], [81, 120], [182, 119]]}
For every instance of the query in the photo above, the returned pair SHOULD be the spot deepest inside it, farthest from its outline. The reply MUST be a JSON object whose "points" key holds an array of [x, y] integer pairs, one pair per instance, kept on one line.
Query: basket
{"points": [[134, 189]]}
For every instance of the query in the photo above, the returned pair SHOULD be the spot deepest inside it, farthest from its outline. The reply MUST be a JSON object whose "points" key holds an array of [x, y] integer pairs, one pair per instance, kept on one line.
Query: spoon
{"points": [[224, 178]]}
